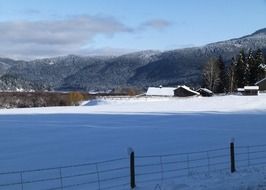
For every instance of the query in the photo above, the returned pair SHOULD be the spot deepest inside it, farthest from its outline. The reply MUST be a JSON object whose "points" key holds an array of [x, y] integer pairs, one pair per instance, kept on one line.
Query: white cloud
{"points": [[26, 39], [37, 39]]}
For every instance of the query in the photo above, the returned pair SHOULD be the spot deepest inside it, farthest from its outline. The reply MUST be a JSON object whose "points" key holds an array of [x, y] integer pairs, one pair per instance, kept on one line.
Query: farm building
{"points": [[249, 90], [180, 91], [261, 84], [205, 92], [184, 91], [160, 91]]}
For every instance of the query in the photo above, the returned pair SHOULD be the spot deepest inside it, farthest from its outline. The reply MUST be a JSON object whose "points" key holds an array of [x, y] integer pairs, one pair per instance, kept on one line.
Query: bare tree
{"points": [[211, 74]]}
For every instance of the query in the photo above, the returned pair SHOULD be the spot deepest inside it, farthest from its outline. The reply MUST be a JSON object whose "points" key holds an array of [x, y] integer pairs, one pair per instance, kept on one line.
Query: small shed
{"points": [[249, 90], [261, 84], [184, 91], [160, 91], [205, 92]]}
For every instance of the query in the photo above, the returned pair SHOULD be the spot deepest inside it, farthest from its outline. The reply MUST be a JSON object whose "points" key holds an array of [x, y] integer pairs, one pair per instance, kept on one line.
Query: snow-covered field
{"points": [[155, 106], [104, 129]]}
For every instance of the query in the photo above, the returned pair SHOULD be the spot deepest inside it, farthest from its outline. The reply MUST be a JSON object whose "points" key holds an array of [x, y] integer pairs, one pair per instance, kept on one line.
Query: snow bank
{"points": [[249, 179], [155, 105]]}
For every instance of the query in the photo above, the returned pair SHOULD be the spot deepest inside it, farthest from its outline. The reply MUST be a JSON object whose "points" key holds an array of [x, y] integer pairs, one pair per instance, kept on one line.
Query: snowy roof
{"points": [[240, 89], [262, 80], [188, 89], [206, 90], [251, 88], [160, 91]]}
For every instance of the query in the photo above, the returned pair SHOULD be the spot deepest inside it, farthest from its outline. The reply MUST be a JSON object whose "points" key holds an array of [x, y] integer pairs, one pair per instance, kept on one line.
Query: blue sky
{"points": [[44, 28]]}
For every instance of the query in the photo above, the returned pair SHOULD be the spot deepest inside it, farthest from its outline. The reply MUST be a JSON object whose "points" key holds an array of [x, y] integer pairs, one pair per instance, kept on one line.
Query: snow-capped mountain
{"points": [[140, 69]]}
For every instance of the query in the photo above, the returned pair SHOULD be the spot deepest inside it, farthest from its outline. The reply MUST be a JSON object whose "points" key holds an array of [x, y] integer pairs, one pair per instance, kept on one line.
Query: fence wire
{"points": [[149, 170], [111, 174]]}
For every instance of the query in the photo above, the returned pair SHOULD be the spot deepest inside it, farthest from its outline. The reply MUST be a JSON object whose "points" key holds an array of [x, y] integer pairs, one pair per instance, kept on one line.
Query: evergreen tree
{"points": [[260, 63], [221, 88], [241, 70], [252, 69]]}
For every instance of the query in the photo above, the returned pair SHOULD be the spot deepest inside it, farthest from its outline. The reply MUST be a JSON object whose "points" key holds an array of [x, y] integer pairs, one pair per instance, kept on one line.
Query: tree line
{"points": [[244, 69]]}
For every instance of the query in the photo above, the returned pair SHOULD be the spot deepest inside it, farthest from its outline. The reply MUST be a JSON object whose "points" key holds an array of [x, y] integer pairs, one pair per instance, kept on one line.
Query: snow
{"points": [[249, 179], [251, 88], [19, 89], [105, 128], [160, 91], [51, 63], [206, 90], [155, 106], [166, 91], [188, 89]]}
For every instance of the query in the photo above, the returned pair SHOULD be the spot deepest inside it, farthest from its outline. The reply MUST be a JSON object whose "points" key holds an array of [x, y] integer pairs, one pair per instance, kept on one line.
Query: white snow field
{"points": [[104, 129]]}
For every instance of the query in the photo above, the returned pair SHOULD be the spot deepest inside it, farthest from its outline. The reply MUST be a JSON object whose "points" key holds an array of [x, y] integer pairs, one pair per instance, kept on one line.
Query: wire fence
{"points": [[157, 169], [161, 168], [111, 174], [140, 170], [247, 156]]}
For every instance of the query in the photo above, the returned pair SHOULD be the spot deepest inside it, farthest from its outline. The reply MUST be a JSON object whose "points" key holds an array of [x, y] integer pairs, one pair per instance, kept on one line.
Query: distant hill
{"points": [[140, 69]]}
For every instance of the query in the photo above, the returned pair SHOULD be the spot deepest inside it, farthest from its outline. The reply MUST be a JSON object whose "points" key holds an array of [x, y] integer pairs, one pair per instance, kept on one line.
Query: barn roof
{"points": [[205, 90], [251, 88], [160, 91], [188, 89]]}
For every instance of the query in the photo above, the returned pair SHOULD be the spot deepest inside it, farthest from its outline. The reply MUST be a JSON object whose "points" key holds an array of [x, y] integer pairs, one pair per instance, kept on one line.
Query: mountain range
{"points": [[138, 70]]}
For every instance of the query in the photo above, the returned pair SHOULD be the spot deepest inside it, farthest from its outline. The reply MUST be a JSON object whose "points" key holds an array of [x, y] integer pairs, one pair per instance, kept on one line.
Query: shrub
{"points": [[75, 98]]}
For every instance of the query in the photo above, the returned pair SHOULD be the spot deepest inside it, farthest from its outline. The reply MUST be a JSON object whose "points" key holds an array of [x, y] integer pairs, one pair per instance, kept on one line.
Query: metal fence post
{"points": [[162, 173], [21, 181], [188, 165], [232, 157], [208, 159], [61, 179], [98, 176], [248, 156], [132, 169]]}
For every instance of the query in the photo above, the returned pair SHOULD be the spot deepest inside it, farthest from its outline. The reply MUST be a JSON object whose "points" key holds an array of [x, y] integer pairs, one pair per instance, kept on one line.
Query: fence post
{"points": [[161, 163], [188, 165], [132, 168], [208, 158], [248, 156], [61, 179], [21, 181], [232, 156], [98, 176]]}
